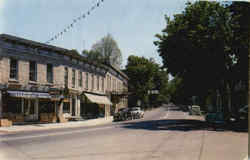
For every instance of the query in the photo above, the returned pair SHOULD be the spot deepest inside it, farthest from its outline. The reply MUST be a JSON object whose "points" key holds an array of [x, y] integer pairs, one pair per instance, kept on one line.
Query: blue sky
{"points": [[132, 23]]}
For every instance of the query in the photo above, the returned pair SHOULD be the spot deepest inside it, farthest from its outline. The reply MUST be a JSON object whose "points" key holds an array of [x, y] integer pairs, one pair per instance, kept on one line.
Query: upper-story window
{"points": [[80, 79], [49, 73], [92, 82], [102, 83], [73, 78], [107, 82], [33, 71], [66, 76], [87, 81], [110, 87], [98, 83], [114, 85], [13, 69]]}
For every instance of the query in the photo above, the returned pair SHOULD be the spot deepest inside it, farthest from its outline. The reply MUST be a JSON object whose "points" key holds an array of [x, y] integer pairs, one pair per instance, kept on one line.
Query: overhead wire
{"points": [[75, 20]]}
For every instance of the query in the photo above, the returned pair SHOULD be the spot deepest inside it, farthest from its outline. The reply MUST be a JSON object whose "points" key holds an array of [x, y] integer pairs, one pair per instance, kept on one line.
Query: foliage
{"points": [[92, 55], [105, 50], [204, 47], [145, 75]]}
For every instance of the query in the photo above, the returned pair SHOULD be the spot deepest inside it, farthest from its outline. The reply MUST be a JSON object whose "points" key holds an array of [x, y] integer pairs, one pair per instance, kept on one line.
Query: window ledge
{"points": [[14, 80], [33, 82], [49, 84]]}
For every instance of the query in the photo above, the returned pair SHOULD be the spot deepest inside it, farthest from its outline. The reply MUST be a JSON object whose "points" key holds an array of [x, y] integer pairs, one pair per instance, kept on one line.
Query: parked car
{"points": [[136, 112], [243, 113], [122, 115], [215, 119]]}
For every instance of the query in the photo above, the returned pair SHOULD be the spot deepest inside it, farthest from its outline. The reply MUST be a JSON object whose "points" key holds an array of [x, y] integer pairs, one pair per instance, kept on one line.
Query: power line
{"points": [[75, 20]]}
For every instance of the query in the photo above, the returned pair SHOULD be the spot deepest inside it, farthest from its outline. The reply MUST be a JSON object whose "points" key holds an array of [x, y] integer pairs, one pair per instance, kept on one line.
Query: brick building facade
{"points": [[38, 79]]}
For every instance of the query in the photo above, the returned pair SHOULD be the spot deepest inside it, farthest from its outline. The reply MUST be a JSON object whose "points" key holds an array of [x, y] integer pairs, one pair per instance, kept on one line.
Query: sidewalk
{"points": [[33, 127]]}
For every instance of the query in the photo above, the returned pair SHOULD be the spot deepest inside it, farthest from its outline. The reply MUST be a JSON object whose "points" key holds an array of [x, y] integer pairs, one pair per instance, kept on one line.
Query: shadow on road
{"points": [[182, 125]]}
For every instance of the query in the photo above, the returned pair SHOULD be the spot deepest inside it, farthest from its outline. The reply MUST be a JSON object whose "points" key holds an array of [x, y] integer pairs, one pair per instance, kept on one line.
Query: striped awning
{"points": [[23, 94], [98, 99]]}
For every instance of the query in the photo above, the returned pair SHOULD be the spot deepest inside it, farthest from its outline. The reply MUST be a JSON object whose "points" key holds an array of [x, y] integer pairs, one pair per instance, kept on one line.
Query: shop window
{"points": [[33, 71], [14, 105], [66, 107], [13, 69], [46, 106], [80, 79], [66, 75], [49, 73], [73, 78]]}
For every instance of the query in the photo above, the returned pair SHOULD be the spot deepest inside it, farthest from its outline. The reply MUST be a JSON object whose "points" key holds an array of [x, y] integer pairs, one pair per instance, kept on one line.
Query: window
{"points": [[80, 79], [113, 87], [98, 83], [66, 107], [13, 69], [66, 75], [49, 73], [87, 81], [102, 83], [110, 83], [33, 71], [107, 82], [73, 78], [93, 80]]}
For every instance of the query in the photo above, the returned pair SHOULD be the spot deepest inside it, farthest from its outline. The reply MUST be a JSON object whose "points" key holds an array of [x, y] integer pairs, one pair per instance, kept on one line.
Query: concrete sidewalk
{"points": [[33, 127]]}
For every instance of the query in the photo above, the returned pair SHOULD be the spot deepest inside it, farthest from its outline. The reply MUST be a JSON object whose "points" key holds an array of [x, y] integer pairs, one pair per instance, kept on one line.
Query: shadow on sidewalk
{"points": [[182, 125]]}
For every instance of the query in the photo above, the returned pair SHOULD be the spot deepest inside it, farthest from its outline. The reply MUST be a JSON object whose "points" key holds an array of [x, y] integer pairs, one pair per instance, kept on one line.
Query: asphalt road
{"points": [[164, 133]]}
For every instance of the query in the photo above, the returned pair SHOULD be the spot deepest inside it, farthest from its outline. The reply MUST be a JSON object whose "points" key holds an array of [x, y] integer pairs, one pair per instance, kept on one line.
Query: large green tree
{"points": [[197, 46], [144, 76]]}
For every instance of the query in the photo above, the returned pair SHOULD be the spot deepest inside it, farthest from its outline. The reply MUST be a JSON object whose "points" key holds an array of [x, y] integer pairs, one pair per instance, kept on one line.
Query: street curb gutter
{"points": [[93, 122]]}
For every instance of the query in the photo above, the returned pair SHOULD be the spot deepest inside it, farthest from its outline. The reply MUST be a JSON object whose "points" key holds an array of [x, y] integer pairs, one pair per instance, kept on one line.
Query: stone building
{"points": [[39, 80]]}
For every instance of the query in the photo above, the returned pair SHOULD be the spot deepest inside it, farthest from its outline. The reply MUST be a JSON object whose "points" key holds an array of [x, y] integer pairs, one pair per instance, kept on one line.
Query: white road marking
{"points": [[54, 134]]}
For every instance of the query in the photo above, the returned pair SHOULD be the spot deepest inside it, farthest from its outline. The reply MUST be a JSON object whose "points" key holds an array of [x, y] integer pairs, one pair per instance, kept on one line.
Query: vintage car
{"points": [[136, 112], [122, 115]]}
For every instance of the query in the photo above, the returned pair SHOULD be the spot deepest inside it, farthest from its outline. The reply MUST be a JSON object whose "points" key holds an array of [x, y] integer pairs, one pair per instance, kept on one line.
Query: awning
{"points": [[98, 99], [23, 94]]}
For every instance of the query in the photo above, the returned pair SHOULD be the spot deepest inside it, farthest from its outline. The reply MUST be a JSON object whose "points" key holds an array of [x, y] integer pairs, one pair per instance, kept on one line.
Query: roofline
{"points": [[62, 51], [116, 69]]}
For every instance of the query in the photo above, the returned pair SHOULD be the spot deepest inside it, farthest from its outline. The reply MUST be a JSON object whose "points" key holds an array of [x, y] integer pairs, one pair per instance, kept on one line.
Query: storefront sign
{"points": [[22, 94]]}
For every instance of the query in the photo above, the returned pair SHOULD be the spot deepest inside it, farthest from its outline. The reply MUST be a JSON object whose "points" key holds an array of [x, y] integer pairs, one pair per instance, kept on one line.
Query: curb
{"points": [[94, 122]]}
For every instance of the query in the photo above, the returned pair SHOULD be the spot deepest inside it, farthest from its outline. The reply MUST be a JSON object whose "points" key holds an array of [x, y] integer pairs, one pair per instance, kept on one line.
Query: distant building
{"points": [[38, 79]]}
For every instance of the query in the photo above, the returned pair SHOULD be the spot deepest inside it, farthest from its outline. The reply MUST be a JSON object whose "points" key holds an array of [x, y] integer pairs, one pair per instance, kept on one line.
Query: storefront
{"points": [[22, 106], [95, 105]]}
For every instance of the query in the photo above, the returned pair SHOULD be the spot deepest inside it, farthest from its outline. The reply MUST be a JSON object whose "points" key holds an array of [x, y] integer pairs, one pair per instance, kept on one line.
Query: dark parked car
{"points": [[243, 113], [122, 114], [215, 119]]}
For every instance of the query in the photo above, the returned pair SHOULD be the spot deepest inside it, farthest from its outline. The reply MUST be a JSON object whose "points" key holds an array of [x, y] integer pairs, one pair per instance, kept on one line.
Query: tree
{"points": [[106, 50], [205, 60], [92, 55], [144, 76]]}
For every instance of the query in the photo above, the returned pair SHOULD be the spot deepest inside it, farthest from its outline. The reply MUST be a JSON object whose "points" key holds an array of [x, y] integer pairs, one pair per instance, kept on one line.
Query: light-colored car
{"points": [[136, 112]]}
